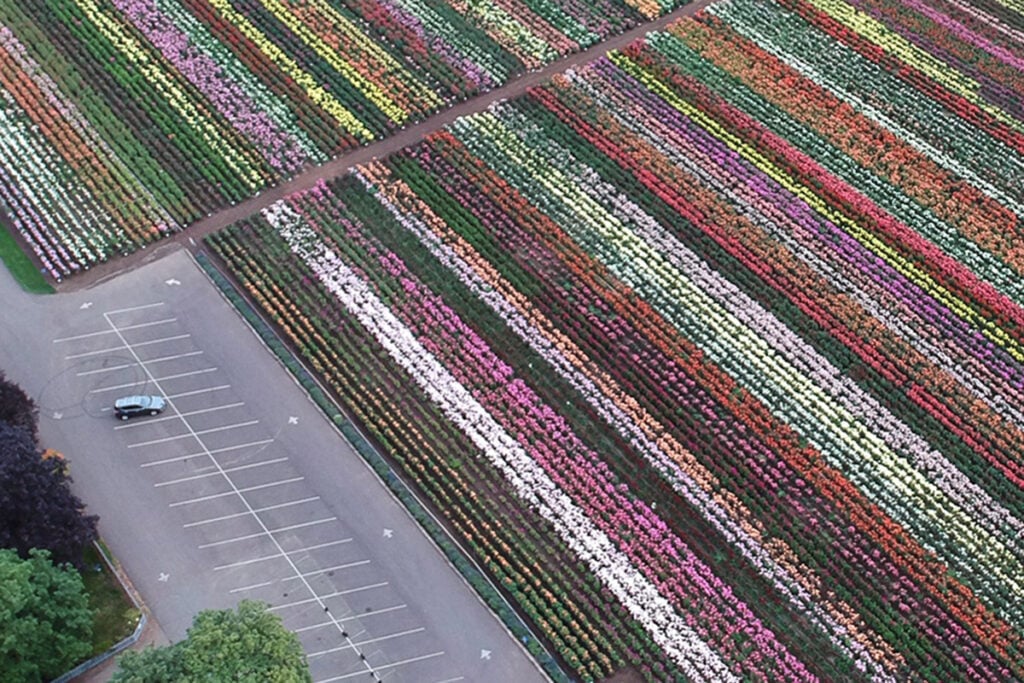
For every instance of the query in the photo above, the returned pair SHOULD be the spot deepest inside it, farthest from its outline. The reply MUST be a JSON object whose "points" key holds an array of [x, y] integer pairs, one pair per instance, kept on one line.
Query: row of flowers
{"points": [[743, 337], [191, 105], [724, 460], [577, 219], [587, 629]]}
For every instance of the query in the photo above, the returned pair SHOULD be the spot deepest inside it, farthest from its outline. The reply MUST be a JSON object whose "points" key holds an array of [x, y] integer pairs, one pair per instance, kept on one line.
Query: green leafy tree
{"points": [[45, 620], [249, 645]]}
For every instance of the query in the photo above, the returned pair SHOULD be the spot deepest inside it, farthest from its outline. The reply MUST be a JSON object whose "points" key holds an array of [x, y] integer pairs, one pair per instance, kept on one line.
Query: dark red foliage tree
{"points": [[37, 507], [16, 408]]}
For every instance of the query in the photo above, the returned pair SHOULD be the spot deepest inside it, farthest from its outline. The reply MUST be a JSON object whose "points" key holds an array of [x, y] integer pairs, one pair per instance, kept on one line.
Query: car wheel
{"points": [[154, 412], [124, 417]]}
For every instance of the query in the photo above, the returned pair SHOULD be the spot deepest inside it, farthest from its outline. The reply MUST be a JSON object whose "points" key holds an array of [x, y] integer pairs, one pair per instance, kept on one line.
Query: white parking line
{"points": [[133, 308], [248, 466], [252, 512], [181, 415], [236, 491], [155, 379], [390, 665], [208, 452], [389, 636], [192, 433], [82, 336], [352, 617], [94, 353], [282, 554], [250, 588], [319, 597], [202, 444], [119, 348], [138, 362], [347, 565], [110, 369], [265, 533], [114, 331], [198, 391]]}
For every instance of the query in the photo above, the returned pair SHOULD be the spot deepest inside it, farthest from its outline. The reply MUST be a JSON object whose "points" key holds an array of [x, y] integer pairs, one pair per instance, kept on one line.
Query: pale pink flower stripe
{"points": [[1015, 35], [580, 472], [529, 480], [276, 146], [162, 220], [966, 34], [688, 477], [896, 435]]}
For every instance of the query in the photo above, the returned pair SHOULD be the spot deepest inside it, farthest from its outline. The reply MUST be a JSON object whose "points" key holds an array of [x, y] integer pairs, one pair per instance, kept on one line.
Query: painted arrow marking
{"points": [[388, 533], [485, 654], [85, 305], [172, 281]]}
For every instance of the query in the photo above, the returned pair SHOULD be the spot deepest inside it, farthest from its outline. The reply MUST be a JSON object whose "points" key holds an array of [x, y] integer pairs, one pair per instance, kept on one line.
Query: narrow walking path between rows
{"points": [[192, 236]]}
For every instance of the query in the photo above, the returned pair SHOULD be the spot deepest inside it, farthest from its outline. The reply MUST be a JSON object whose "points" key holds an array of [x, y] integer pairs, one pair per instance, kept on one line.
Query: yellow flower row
{"points": [[166, 86], [889, 478], [881, 35], [321, 97], [870, 241], [1015, 5], [369, 89], [380, 55]]}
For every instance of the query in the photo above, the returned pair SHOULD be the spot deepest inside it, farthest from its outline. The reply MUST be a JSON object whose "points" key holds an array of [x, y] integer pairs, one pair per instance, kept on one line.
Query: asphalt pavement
{"points": [[240, 488]]}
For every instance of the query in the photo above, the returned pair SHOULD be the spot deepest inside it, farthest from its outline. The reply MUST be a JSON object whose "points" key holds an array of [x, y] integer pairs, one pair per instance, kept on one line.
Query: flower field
{"points": [[123, 120], [713, 349]]}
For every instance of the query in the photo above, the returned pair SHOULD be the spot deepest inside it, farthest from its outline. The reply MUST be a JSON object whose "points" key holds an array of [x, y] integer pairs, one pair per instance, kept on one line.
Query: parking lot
{"points": [[241, 489]]}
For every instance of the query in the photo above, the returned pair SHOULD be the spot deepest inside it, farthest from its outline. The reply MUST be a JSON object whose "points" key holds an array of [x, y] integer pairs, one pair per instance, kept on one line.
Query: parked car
{"points": [[130, 406]]}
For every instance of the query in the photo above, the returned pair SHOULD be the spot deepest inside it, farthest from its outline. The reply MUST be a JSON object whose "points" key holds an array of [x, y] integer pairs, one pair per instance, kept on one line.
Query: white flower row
{"points": [[809, 402], [754, 22], [894, 311], [68, 110], [531, 483], [542, 336], [44, 180]]}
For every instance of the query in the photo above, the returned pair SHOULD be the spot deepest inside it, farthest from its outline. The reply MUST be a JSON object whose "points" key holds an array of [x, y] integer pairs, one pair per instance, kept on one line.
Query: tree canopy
{"points": [[37, 507], [45, 620], [16, 408], [250, 645]]}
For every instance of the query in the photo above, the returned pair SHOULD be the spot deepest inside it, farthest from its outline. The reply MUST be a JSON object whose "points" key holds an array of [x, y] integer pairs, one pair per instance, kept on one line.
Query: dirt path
{"points": [[192, 236]]}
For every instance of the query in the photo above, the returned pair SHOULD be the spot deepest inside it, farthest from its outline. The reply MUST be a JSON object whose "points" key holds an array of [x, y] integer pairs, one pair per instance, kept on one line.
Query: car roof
{"points": [[137, 401]]}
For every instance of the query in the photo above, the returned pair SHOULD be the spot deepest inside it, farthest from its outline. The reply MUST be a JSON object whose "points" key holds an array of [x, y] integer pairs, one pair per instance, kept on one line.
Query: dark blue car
{"points": [[130, 406]]}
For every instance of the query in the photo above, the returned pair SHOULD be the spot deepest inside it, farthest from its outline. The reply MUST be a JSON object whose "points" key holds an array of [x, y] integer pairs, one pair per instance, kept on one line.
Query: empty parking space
{"points": [[261, 531]]}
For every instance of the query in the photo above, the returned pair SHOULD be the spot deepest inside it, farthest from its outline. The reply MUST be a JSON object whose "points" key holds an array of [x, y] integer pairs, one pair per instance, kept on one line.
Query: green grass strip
{"points": [[20, 265]]}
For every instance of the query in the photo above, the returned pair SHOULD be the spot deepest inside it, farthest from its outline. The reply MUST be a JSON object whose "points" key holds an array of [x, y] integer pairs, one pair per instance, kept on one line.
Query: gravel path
{"points": [[191, 237]]}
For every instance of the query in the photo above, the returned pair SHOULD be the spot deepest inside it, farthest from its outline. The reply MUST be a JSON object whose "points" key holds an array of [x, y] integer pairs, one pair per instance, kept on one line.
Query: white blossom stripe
{"points": [[636, 592]]}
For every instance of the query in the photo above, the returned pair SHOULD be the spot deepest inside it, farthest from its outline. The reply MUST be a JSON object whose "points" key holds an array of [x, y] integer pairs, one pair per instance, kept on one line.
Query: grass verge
{"points": [[21, 266], [115, 615]]}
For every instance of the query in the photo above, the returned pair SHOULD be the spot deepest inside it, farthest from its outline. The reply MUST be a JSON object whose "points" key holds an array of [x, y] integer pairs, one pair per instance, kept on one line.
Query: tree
{"points": [[37, 507], [45, 620], [16, 408], [223, 645]]}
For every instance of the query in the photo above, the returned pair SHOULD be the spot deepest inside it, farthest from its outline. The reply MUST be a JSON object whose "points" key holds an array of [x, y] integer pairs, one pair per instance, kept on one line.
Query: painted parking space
{"points": [[261, 532]]}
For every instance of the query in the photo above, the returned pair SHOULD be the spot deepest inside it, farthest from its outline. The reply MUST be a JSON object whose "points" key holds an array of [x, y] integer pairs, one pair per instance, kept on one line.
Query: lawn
{"points": [[115, 615], [23, 270]]}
